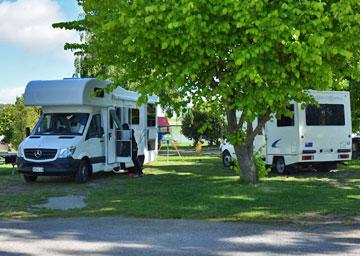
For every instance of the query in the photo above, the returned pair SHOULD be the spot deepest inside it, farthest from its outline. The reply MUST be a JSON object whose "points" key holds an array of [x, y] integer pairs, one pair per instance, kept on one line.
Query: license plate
{"points": [[38, 169]]}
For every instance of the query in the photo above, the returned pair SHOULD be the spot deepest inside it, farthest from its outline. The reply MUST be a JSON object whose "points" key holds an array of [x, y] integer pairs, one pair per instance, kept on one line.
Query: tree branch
{"points": [[231, 118], [241, 120], [252, 134]]}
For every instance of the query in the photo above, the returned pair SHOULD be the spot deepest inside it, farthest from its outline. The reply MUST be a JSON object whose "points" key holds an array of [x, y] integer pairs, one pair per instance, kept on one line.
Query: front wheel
{"points": [[30, 178], [83, 172], [227, 159], [279, 165]]}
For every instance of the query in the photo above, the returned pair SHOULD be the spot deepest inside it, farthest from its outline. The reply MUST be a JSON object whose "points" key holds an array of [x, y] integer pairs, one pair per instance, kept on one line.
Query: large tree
{"points": [[251, 55]]}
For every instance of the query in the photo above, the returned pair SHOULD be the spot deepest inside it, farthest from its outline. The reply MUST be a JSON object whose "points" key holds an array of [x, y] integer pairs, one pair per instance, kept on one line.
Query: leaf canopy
{"points": [[254, 54]]}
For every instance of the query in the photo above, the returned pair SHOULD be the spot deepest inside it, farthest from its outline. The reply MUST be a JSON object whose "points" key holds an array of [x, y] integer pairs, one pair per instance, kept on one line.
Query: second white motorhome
{"points": [[317, 135], [80, 131]]}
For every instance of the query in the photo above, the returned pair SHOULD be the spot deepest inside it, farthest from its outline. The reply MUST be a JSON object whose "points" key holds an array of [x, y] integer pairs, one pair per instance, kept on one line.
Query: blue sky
{"points": [[30, 49]]}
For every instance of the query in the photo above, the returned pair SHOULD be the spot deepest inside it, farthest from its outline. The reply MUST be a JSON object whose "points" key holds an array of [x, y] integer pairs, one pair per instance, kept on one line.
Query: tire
{"points": [[279, 165], [83, 172], [227, 159], [30, 178]]}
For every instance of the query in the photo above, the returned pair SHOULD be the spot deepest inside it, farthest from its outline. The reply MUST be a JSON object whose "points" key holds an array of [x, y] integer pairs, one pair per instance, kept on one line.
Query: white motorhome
{"points": [[80, 131], [316, 136]]}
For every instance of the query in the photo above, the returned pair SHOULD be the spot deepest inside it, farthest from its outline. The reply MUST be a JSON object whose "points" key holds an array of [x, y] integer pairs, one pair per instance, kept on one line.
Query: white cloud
{"points": [[27, 24], [8, 95]]}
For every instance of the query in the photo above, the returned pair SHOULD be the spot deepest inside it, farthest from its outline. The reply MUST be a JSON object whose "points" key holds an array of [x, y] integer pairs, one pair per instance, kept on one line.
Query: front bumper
{"points": [[58, 167]]}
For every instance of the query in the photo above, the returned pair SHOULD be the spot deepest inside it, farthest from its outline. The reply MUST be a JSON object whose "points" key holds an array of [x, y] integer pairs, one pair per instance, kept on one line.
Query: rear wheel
{"points": [[227, 159], [83, 172], [30, 178], [279, 165]]}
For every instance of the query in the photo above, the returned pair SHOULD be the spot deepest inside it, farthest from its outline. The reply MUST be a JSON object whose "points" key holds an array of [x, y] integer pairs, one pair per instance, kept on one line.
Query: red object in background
{"points": [[162, 122]]}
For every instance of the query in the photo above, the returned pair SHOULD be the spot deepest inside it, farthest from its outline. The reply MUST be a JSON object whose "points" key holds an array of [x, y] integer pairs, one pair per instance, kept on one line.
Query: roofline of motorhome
{"points": [[74, 92]]}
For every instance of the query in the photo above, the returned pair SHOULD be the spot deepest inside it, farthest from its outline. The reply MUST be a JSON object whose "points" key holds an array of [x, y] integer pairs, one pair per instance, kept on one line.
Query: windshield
{"points": [[61, 124]]}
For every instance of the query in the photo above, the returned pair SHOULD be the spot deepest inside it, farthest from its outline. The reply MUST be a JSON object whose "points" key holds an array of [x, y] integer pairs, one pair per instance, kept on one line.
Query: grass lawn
{"points": [[195, 188]]}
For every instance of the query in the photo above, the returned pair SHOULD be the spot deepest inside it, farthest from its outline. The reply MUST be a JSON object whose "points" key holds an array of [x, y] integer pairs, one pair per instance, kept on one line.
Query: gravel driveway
{"points": [[127, 236]]}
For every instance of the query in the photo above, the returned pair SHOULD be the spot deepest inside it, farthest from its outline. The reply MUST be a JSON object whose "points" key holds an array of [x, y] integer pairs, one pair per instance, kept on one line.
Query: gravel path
{"points": [[127, 236]]}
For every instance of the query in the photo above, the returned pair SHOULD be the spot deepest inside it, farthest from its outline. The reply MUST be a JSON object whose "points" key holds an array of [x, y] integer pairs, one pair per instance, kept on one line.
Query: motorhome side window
{"points": [[325, 114], [286, 121], [61, 124], [151, 115], [134, 116], [95, 130]]}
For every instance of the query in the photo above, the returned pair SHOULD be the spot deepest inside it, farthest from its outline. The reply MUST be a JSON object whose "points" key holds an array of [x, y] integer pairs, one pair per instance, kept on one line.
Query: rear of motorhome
{"points": [[80, 131], [317, 135]]}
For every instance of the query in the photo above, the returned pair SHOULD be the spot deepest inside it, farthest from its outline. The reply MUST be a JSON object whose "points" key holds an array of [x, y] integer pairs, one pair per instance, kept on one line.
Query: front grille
{"points": [[40, 153]]}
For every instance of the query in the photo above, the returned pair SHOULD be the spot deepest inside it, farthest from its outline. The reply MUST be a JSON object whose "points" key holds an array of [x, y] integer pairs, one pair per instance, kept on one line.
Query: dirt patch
{"points": [[63, 203]]}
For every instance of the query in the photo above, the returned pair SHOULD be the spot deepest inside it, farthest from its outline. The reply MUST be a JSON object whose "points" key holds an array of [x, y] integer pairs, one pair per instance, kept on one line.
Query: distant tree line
{"points": [[14, 118]]}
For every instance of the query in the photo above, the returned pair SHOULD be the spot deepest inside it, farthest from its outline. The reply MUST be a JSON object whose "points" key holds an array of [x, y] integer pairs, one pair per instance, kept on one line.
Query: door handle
{"points": [[110, 135]]}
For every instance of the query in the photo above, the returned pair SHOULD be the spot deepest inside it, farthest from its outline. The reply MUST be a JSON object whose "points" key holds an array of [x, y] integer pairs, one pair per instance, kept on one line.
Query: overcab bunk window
{"points": [[99, 92]]}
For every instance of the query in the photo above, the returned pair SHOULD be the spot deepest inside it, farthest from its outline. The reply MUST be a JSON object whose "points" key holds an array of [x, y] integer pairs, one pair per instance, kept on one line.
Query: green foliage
{"points": [[253, 56], [263, 170], [354, 88], [14, 118], [198, 125], [259, 162], [236, 167], [6, 122]]}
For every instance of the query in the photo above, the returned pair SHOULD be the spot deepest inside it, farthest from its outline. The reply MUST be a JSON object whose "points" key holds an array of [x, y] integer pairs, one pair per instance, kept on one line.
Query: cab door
{"points": [[94, 143]]}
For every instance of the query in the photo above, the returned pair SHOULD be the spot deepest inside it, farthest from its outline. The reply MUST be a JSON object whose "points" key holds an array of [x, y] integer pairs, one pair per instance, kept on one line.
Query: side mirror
{"points": [[27, 131], [101, 132]]}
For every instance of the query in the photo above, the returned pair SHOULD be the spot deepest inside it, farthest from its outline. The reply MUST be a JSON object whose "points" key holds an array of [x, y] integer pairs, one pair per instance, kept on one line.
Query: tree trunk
{"points": [[245, 157], [244, 150]]}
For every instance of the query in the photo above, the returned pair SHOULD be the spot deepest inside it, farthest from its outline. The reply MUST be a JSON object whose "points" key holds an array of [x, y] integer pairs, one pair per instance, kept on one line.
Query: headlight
{"points": [[20, 152], [66, 152]]}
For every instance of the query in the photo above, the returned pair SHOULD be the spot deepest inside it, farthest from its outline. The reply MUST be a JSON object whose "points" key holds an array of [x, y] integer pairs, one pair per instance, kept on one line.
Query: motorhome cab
{"points": [[318, 136], [80, 131]]}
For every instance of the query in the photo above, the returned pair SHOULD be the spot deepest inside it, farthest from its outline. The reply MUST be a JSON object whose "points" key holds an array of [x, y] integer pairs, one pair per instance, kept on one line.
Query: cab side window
{"points": [[95, 129]]}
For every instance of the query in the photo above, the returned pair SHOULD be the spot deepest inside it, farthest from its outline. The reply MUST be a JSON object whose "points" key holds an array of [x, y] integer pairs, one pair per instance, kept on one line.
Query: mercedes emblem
{"points": [[38, 153]]}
